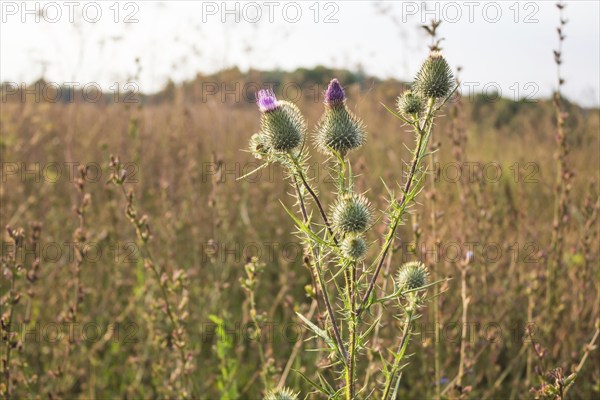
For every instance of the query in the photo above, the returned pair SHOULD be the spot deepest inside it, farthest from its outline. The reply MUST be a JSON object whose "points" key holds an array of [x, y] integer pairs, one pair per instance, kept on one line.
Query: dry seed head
{"points": [[435, 78], [281, 394], [351, 214], [354, 247], [412, 275]]}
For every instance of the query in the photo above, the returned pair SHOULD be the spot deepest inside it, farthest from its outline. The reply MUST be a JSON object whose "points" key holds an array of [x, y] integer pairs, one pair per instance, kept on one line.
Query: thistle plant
{"points": [[347, 281]]}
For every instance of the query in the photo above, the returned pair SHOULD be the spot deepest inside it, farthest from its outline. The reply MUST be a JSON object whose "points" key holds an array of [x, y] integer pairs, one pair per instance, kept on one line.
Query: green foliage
{"points": [[227, 380]]}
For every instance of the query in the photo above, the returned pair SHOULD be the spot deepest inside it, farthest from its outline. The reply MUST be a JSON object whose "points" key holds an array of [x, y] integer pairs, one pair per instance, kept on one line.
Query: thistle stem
{"points": [[315, 198], [350, 370], [305, 219], [400, 355], [423, 139], [322, 283]]}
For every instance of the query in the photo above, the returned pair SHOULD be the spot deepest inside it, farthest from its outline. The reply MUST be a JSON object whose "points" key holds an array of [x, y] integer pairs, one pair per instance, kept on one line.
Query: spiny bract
{"points": [[351, 214], [412, 275], [435, 78], [354, 247], [338, 129], [283, 127], [281, 394], [410, 103]]}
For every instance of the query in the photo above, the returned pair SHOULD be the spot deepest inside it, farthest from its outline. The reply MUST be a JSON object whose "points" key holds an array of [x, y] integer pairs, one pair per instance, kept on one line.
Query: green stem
{"points": [[261, 352], [424, 133], [300, 173], [313, 251], [322, 282], [351, 369], [400, 354]]}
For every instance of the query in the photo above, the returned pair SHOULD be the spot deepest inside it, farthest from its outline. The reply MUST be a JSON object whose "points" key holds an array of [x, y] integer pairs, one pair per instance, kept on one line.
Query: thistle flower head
{"points": [[335, 93], [282, 127], [351, 214], [410, 103], [354, 247], [266, 100], [338, 129], [281, 394], [412, 275], [435, 78]]}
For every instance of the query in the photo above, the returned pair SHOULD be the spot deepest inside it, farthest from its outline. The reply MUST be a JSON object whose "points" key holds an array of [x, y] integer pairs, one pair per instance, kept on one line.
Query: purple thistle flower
{"points": [[266, 100], [335, 93]]}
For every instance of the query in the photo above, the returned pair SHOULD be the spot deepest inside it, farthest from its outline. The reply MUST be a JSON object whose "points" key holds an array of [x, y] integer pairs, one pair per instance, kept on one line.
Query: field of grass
{"points": [[137, 290]]}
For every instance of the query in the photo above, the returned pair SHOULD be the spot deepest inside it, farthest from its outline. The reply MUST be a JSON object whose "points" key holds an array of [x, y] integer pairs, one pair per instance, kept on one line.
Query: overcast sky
{"points": [[503, 44]]}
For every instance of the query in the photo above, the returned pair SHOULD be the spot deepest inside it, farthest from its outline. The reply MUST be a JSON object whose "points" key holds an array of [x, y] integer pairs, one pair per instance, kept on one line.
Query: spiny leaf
{"points": [[302, 226], [395, 114], [318, 331], [313, 383]]}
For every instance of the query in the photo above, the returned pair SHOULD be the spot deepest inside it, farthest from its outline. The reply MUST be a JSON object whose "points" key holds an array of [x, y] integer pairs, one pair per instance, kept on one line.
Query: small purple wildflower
{"points": [[335, 93], [266, 100]]}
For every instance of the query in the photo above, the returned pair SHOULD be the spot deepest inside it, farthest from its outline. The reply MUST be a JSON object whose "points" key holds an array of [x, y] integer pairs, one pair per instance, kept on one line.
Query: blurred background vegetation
{"points": [[184, 148]]}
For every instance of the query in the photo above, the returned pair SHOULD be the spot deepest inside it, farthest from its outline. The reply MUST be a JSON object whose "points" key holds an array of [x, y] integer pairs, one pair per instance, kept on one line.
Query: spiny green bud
{"points": [[282, 124], [412, 275], [281, 394], [410, 103], [354, 247], [283, 127], [435, 78], [338, 129], [351, 214], [257, 146]]}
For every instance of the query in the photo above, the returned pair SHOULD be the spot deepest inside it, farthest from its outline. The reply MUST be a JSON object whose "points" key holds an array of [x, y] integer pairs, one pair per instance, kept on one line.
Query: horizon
{"points": [[244, 93], [204, 38]]}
